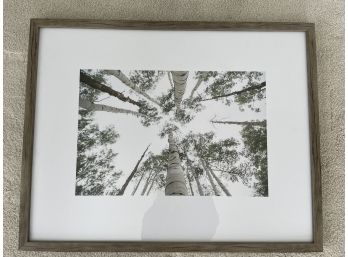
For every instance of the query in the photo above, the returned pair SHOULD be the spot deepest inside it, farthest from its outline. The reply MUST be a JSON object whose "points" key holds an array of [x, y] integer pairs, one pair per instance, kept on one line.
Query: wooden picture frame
{"points": [[28, 140]]}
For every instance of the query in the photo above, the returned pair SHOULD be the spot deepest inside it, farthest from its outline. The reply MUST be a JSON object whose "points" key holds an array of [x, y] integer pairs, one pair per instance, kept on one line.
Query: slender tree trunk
{"points": [[263, 84], [199, 186], [199, 82], [121, 192], [125, 80], [175, 184], [170, 80], [257, 123], [147, 183], [101, 87], [154, 178], [85, 104], [136, 187], [179, 79], [216, 191], [188, 178], [217, 180]]}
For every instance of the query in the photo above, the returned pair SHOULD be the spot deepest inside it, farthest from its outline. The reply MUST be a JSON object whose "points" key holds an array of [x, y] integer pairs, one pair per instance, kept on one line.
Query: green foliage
{"points": [[167, 101], [205, 75], [145, 80], [255, 144], [249, 97], [183, 116], [150, 112], [167, 128], [156, 163], [94, 168], [224, 84], [97, 75], [220, 155], [193, 104]]}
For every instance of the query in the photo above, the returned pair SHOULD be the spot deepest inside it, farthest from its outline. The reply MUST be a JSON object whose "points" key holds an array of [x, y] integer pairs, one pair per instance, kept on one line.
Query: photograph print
{"points": [[172, 133]]}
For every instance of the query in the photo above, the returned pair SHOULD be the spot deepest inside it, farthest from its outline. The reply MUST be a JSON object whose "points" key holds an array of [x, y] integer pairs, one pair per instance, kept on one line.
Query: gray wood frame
{"points": [[24, 241]]}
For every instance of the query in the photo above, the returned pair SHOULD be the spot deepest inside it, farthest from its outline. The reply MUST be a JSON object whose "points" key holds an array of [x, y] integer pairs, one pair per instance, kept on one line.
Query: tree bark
{"points": [[101, 87], [199, 82], [188, 178], [136, 187], [121, 192], [175, 184], [125, 80], [217, 180], [85, 104], [179, 79], [216, 191], [147, 183], [263, 84], [199, 186], [257, 123], [152, 183], [170, 80]]}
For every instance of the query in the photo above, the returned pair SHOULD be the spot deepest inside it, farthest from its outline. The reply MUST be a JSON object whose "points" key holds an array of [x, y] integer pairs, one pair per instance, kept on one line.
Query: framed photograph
{"points": [[171, 136]]}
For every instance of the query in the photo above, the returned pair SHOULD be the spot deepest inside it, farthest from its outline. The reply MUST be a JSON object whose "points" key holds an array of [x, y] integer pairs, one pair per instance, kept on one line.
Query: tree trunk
{"points": [[125, 80], [263, 84], [147, 183], [170, 80], [257, 123], [136, 187], [199, 186], [207, 171], [152, 183], [199, 82], [121, 192], [179, 79], [85, 104], [101, 87], [175, 184], [188, 178], [218, 180]]}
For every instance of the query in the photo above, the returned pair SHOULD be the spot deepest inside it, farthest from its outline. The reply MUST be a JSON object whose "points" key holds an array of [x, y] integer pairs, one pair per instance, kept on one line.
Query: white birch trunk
{"points": [[218, 180], [154, 178], [126, 183], [199, 186], [147, 183], [189, 181], [85, 104], [179, 79], [125, 80], [175, 184], [207, 171], [199, 82], [136, 187], [170, 80]]}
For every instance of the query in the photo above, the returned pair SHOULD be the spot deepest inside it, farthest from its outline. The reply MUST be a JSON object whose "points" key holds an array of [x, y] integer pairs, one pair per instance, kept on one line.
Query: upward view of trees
{"points": [[192, 163]]}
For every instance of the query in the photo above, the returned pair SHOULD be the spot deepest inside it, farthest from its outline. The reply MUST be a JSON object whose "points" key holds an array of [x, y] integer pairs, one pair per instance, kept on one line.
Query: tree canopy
{"points": [[233, 152]]}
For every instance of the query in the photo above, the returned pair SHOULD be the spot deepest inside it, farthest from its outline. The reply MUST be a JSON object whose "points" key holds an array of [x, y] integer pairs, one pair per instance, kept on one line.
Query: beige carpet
{"points": [[328, 16]]}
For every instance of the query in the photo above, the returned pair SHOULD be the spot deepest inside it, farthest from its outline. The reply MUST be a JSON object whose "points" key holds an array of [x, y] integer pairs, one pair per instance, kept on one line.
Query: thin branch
{"points": [[199, 82], [257, 123], [121, 192], [259, 86]]}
